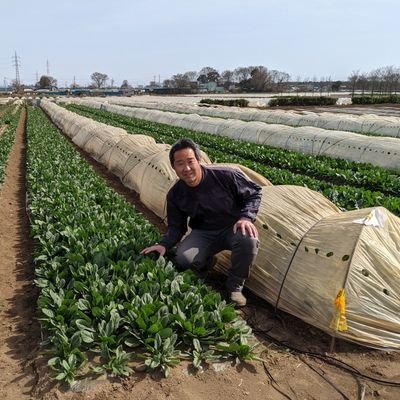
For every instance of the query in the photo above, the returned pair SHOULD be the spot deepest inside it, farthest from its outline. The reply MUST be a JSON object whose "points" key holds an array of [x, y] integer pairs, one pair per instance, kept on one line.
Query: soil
{"points": [[299, 360]]}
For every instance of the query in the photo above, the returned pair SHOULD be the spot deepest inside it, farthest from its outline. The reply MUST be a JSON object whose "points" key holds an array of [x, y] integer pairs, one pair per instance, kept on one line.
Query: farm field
{"points": [[298, 361]]}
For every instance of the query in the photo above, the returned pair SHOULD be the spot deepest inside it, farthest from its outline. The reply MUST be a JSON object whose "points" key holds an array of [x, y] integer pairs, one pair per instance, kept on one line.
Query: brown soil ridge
{"points": [[19, 332]]}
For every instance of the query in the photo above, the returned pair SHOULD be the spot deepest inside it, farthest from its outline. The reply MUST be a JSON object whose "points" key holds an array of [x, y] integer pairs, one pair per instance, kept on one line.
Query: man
{"points": [[221, 204]]}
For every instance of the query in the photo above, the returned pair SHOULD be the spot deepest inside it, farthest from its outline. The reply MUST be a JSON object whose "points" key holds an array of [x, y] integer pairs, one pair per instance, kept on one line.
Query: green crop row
{"points": [[376, 99], [328, 176], [302, 101], [8, 127], [226, 102], [101, 300]]}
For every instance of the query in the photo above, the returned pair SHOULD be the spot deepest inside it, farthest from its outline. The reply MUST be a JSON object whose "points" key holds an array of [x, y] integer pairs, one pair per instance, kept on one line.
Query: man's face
{"points": [[187, 167]]}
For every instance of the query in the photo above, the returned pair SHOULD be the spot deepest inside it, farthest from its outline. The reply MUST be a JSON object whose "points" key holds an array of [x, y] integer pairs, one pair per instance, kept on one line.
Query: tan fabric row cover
{"points": [[249, 173], [309, 250], [129, 147], [380, 151], [366, 123], [362, 259]]}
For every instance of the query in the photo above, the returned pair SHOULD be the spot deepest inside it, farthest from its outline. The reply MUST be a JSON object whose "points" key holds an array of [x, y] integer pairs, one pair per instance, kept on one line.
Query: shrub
{"points": [[228, 102], [376, 99], [302, 101]]}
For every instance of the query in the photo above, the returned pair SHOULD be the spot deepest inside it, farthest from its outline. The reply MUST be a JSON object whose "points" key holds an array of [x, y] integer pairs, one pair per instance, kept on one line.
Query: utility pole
{"points": [[74, 85], [37, 77], [47, 68], [17, 64]]}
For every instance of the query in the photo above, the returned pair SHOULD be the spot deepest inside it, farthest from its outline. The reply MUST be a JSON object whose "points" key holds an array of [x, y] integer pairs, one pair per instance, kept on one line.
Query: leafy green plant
{"points": [[99, 298], [163, 353], [8, 125], [203, 354]]}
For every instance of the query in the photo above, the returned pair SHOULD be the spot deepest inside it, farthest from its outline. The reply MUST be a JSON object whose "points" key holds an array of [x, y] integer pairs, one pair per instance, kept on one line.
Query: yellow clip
{"points": [[339, 322]]}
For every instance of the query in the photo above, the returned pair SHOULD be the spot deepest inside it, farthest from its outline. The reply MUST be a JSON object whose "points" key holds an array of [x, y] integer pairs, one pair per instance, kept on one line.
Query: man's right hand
{"points": [[155, 248]]}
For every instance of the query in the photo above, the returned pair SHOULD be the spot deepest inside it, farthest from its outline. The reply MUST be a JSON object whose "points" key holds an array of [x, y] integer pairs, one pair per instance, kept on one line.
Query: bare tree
{"points": [[227, 77], [279, 79], [363, 82], [169, 83], [391, 78], [181, 81], [242, 73], [374, 79], [190, 75], [99, 79], [353, 78]]}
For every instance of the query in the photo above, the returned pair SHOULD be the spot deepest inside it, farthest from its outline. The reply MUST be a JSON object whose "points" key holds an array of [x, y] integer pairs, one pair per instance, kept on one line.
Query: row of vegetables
{"points": [[348, 184], [8, 124], [102, 305]]}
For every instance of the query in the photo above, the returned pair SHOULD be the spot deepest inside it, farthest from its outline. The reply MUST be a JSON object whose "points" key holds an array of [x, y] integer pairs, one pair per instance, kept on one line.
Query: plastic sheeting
{"points": [[379, 151], [366, 123]]}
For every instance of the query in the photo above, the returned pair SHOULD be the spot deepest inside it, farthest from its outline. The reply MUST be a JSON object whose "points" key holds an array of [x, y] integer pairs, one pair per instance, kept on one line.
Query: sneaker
{"points": [[238, 299]]}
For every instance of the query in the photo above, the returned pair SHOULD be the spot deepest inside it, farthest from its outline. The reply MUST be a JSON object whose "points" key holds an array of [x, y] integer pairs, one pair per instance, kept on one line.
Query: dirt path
{"points": [[19, 333]]}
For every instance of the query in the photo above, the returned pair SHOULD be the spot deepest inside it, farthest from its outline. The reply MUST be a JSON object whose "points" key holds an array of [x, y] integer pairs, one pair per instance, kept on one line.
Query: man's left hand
{"points": [[245, 225]]}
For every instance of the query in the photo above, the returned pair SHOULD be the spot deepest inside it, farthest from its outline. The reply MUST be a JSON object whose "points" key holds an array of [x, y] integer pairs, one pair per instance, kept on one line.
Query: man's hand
{"points": [[246, 226], [155, 248]]}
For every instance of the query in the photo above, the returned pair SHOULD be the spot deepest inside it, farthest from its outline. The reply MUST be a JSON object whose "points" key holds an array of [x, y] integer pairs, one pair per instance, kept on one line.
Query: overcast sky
{"points": [[143, 40]]}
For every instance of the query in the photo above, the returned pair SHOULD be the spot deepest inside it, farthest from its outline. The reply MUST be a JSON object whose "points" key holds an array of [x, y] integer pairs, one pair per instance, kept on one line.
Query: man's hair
{"points": [[184, 143]]}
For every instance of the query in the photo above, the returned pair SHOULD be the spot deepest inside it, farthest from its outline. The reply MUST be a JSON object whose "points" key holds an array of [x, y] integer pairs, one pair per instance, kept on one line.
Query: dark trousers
{"points": [[197, 249]]}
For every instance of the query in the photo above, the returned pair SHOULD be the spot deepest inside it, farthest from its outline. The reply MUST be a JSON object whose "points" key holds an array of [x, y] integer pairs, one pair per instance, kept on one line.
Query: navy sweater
{"points": [[223, 196]]}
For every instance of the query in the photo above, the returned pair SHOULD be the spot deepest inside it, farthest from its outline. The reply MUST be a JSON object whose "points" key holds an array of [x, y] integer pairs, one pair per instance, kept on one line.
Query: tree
{"points": [[260, 79], [335, 86], [190, 75], [242, 73], [279, 79], [208, 74], [390, 76], [363, 82], [353, 78], [125, 85], [227, 79], [169, 83], [181, 81], [99, 79], [46, 82]]}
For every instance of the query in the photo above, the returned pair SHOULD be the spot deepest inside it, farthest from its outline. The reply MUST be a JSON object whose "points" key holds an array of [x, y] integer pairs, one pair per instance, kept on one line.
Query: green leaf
{"points": [[47, 312]]}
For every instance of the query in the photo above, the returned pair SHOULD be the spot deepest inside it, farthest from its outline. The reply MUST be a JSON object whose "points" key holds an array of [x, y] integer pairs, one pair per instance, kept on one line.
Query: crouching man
{"points": [[221, 205]]}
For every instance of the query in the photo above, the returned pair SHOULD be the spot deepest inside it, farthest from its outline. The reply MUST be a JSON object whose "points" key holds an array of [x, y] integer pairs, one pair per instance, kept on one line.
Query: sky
{"points": [[144, 40]]}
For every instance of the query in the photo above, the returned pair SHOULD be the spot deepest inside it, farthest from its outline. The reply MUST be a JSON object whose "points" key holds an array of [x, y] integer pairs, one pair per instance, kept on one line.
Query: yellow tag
{"points": [[339, 322]]}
